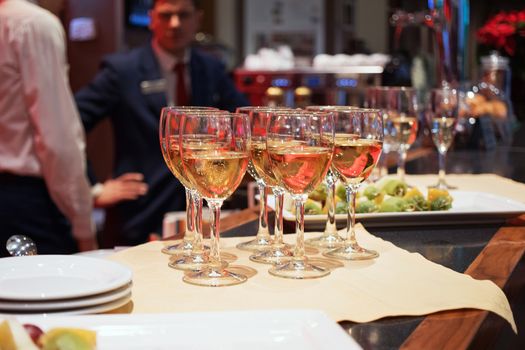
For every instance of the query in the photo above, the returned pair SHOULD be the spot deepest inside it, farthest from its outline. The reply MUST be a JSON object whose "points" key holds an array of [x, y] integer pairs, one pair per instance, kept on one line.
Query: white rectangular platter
{"points": [[467, 208], [235, 330]]}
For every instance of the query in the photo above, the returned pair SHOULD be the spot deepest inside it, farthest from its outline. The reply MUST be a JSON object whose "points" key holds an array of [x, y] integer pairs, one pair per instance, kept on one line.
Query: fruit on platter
{"points": [[15, 336], [68, 339]]}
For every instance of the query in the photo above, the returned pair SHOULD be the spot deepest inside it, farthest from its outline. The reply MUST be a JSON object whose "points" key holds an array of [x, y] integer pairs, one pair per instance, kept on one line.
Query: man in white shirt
{"points": [[44, 192]]}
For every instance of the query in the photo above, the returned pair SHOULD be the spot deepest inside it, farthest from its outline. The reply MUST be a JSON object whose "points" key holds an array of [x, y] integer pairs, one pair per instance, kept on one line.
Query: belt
{"points": [[9, 178]]}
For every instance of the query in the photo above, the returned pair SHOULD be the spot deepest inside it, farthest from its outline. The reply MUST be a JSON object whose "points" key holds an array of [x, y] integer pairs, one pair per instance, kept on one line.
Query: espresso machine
{"points": [[335, 86]]}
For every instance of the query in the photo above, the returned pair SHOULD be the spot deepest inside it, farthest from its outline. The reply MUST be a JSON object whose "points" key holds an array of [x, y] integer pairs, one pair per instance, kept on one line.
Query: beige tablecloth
{"points": [[397, 283]]}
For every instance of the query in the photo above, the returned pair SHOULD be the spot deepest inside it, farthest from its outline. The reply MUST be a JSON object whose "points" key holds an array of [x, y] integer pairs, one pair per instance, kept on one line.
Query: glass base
{"points": [[309, 250], [443, 186], [351, 252], [228, 257], [255, 244], [277, 254], [192, 262], [325, 263], [214, 277], [178, 248], [198, 261], [242, 270], [298, 269], [331, 240]]}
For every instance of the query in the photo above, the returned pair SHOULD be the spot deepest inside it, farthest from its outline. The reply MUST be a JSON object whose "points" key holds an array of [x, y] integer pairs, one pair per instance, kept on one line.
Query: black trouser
{"points": [[26, 208]]}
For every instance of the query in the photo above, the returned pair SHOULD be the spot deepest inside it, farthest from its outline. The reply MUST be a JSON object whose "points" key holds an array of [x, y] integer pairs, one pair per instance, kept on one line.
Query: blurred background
{"points": [[317, 51]]}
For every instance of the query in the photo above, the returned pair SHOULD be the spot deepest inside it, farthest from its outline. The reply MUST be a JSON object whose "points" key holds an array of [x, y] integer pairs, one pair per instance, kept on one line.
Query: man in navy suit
{"points": [[131, 89]]}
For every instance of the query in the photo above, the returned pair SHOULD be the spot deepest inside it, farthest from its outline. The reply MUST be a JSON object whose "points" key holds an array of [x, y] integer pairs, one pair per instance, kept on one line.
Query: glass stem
{"points": [[263, 232], [442, 167], [298, 253], [197, 205], [350, 221], [279, 202], [190, 216], [215, 208], [383, 166], [401, 164], [330, 227]]}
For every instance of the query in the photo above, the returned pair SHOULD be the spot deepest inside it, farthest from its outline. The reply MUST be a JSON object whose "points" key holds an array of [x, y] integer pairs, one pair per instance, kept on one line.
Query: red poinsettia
{"points": [[501, 30]]}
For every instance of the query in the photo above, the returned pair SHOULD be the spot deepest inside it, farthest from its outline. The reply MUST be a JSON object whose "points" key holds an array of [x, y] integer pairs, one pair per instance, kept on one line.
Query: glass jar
{"points": [[485, 116], [495, 71]]}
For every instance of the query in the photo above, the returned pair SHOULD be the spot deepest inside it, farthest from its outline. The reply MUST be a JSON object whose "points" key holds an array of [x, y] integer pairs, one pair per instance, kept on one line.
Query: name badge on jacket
{"points": [[148, 87]]}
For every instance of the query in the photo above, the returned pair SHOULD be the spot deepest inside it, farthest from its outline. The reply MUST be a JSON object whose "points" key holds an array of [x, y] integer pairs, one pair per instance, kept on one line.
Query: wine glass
{"points": [[300, 147], [197, 256], [277, 252], [358, 143], [169, 145], [215, 149], [377, 97], [330, 238], [442, 116], [262, 238], [402, 114]]}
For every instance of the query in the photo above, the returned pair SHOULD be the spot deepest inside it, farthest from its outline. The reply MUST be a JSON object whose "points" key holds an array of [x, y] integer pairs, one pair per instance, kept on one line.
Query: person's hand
{"points": [[128, 186], [87, 244]]}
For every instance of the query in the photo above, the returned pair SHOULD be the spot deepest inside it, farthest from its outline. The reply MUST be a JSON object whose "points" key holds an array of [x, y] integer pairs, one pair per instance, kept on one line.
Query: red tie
{"points": [[180, 84]]}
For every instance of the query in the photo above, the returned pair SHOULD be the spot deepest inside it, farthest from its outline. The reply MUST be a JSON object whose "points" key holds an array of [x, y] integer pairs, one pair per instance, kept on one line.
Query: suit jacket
{"points": [[116, 92]]}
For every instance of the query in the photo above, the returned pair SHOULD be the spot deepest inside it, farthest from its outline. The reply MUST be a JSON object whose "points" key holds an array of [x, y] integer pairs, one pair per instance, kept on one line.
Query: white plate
{"points": [[467, 207], [48, 277], [254, 330], [41, 306], [95, 309], [99, 253]]}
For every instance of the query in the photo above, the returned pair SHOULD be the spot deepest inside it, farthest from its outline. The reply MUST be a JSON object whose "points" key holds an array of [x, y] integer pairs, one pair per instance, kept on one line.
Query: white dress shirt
{"points": [[40, 129], [167, 64]]}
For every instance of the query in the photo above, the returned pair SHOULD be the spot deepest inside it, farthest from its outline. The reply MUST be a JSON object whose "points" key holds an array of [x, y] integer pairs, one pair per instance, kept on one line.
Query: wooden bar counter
{"points": [[494, 251]]}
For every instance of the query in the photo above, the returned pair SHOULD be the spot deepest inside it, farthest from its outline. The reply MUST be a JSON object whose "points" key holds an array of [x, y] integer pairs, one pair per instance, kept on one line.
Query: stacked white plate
{"points": [[62, 284]]}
